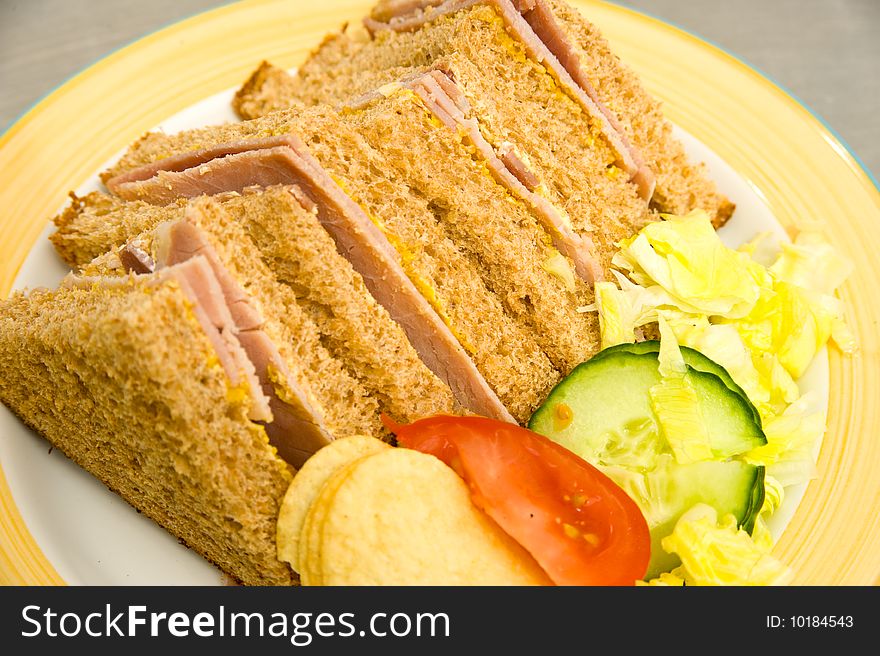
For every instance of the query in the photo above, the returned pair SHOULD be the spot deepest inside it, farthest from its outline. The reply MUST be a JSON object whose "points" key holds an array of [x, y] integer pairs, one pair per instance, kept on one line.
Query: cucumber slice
{"points": [[604, 404], [693, 359], [602, 412], [669, 490]]}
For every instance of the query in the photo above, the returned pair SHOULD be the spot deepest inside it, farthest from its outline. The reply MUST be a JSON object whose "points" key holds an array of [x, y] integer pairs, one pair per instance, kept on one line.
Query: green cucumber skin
{"points": [[609, 395], [731, 411], [733, 487], [756, 502], [693, 359]]}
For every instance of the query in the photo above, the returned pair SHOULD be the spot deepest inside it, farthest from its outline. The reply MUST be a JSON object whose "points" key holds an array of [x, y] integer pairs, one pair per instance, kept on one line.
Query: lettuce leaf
{"points": [[617, 315], [791, 324], [723, 344], [763, 312], [792, 438], [787, 309], [765, 325], [797, 314], [774, 493], [665, 579], [714, 551], [810, 262], [625, 307], [685, 257]]}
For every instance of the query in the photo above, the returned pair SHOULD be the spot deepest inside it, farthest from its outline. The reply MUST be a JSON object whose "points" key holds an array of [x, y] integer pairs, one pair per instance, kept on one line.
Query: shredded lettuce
{"points": [[791, 439], [774, 494], [556, 265], [665, 579], [723, 344], [626, 306], [715, 551], [763, 248], [797, 314], [790, 323], [763, 324], [787, 309], [763, 312], [617, 316], [685, 257], [811, 263], [676, 405]]}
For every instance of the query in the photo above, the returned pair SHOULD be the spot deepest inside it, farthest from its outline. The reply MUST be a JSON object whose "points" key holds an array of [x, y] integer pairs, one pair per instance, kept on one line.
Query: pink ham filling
{"points": [[515, 165], [265, 163], [193, 159], [297, 429], [534, 25], [196, 280], [259, 166]]}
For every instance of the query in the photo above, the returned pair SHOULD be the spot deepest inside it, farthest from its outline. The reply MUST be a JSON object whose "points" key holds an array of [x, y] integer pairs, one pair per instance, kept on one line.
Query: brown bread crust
{"points": [[126, 384]]}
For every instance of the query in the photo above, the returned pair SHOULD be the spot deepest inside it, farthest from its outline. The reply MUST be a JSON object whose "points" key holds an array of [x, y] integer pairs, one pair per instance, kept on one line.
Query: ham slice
{"points": [[235, 168], [181, 240], [507, 154], [190, 160], [285, 160], [196, 280], [533, 24], [297, 428]]}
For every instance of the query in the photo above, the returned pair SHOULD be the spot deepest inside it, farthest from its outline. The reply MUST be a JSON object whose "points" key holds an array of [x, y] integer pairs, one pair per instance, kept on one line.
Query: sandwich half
{"points": [[340, 362], [141, 381], [499, 266], [543, 76]]}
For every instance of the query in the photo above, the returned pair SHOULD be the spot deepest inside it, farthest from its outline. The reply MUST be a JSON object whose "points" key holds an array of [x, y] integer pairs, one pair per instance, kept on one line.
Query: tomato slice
{"points": [[576, 522]]}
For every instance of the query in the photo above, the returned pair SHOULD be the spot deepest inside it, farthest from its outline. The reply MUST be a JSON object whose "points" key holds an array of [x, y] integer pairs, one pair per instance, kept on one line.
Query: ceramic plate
{"points": [[782, 167]]}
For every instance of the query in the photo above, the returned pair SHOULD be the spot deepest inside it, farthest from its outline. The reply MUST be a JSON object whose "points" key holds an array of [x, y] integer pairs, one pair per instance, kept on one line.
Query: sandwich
{"points": [[297, 371], [343, 362], [500, 270], [543, 76]]}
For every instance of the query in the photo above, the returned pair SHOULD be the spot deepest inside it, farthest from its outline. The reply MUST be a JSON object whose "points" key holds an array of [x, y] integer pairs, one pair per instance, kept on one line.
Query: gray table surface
{"points": [[827, 52]]}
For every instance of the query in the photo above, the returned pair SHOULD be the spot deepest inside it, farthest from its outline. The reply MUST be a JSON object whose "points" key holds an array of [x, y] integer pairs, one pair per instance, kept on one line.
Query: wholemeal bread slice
{"points": [[492, 227], [518, 88], [682, 185], [127, 383]]}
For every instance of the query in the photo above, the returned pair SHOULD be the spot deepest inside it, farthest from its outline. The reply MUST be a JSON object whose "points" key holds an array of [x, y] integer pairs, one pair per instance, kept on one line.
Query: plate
{"points": [[779, 163]]}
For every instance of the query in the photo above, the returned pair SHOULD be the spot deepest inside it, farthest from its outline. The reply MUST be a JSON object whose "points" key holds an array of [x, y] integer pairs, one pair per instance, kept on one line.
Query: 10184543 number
{"points": [[810, 622]]}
